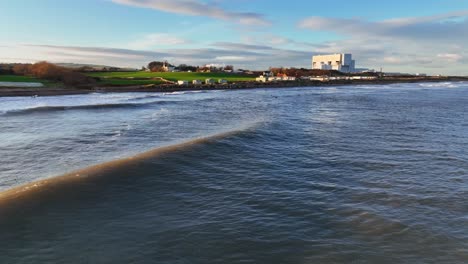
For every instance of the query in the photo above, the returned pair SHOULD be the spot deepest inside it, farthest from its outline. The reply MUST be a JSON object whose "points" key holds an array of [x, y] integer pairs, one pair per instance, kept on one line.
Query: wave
{"points": [[64, 108], [53, 108], [444, 85], [123, 102], [183, 92], [32, 191]]}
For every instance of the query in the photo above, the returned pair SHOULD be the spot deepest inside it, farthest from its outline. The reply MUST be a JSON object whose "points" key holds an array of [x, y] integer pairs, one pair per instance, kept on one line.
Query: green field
{"points": [[18, 78], [123, 82], [171, 76]]}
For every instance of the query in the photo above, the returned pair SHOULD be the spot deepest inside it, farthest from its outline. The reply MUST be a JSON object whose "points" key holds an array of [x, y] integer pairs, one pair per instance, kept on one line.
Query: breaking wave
{"points": [[38, 187]]}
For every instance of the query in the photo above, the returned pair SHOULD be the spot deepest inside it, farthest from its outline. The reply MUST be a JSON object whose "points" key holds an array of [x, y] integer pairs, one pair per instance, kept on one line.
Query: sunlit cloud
{"points": [[157, 40], [428, 43], [199, 8]]}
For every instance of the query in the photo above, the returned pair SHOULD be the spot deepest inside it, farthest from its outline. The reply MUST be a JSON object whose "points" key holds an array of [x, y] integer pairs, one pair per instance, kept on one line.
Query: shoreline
{"points": [[164, 88]]}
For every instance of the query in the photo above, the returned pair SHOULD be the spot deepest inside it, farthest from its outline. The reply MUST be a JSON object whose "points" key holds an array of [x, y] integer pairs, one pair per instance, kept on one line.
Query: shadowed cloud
{"points": [[453, 26], [255, 57], [399, 44], [198, 8]]}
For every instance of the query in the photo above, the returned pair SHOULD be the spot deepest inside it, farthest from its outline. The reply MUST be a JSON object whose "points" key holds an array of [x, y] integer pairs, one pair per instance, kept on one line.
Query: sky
{"points": [[415, 36]]}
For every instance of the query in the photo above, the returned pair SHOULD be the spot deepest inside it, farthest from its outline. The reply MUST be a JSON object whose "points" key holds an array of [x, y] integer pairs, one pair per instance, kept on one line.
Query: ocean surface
{"points": [[350, 174]]}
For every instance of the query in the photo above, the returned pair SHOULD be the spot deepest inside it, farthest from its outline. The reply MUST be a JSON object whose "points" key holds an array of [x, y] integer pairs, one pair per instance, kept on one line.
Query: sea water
{"points": [[363, 174]]}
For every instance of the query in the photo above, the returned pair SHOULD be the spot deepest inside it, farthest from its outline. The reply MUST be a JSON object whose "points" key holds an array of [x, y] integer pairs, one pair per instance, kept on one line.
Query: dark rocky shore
{"points": [[18, 91]]}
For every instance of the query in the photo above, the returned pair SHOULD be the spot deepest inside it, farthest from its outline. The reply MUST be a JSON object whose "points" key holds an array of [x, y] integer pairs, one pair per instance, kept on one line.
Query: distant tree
{"points": [[159, 66], [22, 69], [155, 66], [75, 79], [49, 71], [6, 69], [86, 69], [229, 68], [215, 69], [277, 71], [186, 68], [203, 69]]}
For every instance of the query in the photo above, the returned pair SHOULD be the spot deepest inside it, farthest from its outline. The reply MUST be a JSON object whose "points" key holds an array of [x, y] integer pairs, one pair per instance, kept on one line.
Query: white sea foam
{"points": [[444, 85], [18, 104]]}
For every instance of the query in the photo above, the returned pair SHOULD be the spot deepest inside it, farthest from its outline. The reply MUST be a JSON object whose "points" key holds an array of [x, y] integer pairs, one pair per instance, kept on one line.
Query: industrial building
{"points": [[339, 62]]}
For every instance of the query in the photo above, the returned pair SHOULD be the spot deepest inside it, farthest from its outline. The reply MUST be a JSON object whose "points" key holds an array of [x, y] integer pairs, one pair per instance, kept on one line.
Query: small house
{"points": [[268, 74], [262, 79], [196, 82], [182, 83]]}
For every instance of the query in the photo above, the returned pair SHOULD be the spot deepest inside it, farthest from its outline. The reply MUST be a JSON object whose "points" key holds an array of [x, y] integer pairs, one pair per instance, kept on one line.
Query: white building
{"points": [[196, 82], [167, 67], [209, 81], [182, 82], [262, 79], [339, 62]]}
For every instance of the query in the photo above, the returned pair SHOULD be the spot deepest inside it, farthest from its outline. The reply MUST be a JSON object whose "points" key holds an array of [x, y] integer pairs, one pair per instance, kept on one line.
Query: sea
{"points": [[336, 174]]}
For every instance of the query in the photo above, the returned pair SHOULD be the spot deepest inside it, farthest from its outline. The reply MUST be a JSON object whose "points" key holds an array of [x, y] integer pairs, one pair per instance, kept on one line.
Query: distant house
{"points": [[209, 81], [168, 67], [196, 82], [319, 78], [262, 78], [182, 83], [222, 81]]}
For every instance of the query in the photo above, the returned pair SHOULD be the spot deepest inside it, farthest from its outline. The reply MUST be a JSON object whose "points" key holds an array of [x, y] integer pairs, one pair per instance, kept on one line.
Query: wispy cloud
{"points": [[219, 53], [446, 26], [199, 8], [428, 43], [157, 40], [450, 57], [240, 46]]}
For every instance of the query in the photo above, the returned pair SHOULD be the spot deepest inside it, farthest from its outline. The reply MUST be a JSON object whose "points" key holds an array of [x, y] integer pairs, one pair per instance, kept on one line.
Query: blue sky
{"points": [[412, 36]]}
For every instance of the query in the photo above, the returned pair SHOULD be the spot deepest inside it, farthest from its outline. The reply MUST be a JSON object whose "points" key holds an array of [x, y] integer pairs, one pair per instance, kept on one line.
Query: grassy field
{"points": [[123, 82], [27, 79], [171, 76], [17, 78]]}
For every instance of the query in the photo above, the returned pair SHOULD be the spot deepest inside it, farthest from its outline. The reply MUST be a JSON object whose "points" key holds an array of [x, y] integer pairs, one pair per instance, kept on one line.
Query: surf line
{"points": [[68, 179]]}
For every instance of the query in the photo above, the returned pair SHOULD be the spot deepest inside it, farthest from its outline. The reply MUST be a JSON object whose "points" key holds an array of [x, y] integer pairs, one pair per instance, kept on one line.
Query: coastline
{"points": [[27, 91]]}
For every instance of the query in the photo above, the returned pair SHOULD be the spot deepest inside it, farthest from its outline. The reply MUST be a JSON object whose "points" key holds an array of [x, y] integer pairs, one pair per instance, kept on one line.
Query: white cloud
{"points": [[227, 53], [199, 8], [157, 39], [450, 57], [453, 26], [235, 58], [433, 44]]}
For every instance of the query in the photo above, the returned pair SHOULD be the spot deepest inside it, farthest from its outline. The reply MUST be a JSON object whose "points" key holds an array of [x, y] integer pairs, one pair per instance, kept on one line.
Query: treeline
{"points": [[52, 72], [164, 66]]}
